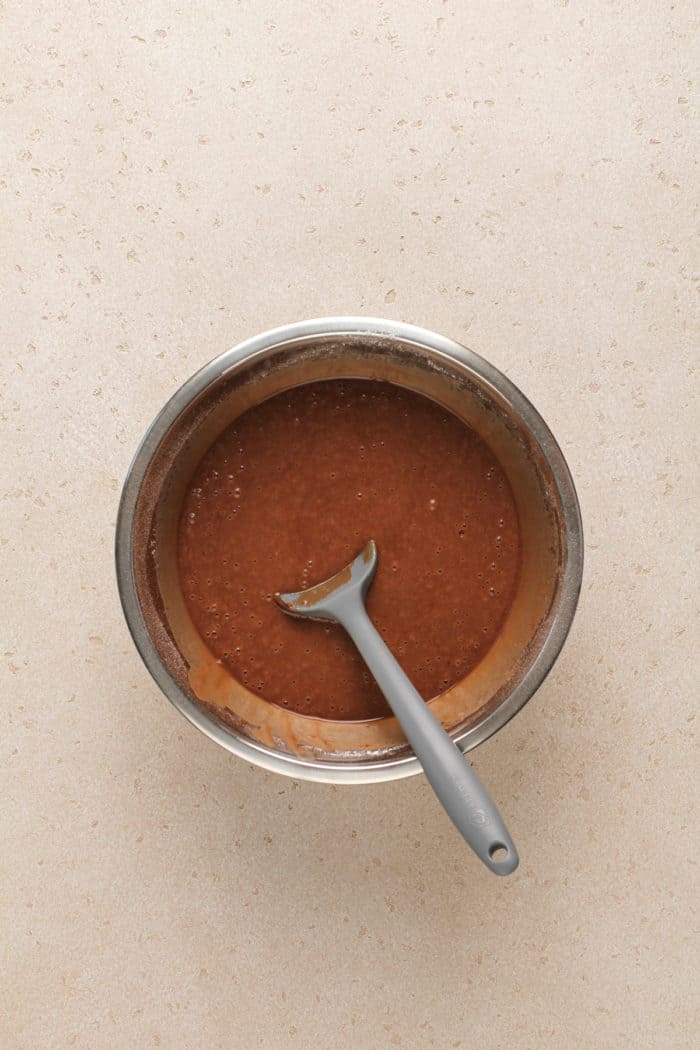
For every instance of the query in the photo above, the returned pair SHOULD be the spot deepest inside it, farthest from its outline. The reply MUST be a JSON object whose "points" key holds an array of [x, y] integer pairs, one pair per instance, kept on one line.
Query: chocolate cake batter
{"points": [[290, 493]]}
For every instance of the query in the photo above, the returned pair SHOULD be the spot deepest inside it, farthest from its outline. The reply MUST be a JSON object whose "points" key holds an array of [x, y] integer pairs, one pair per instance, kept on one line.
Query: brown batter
{"points": [[289, 494]]}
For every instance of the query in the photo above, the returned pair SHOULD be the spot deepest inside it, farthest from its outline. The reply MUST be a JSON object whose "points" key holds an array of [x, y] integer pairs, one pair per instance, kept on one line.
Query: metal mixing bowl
{"points": [[360, 347]]}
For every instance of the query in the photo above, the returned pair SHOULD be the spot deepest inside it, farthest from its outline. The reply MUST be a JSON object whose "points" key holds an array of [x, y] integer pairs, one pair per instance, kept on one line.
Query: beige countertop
{"points": [[517, 176]]}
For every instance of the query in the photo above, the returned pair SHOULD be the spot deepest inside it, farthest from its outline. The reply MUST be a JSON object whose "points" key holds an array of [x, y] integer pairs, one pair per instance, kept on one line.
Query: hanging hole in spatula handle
{"points": [[502, 859]]}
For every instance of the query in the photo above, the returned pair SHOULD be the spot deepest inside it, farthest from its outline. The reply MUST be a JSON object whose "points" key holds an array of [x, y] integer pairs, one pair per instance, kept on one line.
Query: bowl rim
{"points": [[273, 339]]}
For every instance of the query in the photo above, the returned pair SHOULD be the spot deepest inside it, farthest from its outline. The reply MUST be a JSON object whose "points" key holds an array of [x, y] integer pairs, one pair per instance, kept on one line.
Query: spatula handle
{"points": [[455, 783]]}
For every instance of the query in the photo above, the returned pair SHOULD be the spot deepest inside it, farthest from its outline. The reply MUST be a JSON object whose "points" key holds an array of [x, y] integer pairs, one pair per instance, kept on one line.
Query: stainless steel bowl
{"points": [[465, 383]]}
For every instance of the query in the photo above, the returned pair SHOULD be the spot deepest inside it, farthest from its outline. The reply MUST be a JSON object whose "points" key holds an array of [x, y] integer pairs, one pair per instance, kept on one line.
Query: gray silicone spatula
{"points": [[341, 599]]}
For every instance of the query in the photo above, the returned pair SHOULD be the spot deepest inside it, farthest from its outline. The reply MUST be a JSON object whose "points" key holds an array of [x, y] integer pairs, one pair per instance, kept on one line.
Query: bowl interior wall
{"points": [[157, 514]]}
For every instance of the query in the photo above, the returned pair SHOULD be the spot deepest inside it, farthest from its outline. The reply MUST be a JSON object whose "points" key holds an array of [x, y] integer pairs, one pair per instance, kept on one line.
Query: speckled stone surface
{"points": [[175, 178]]}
